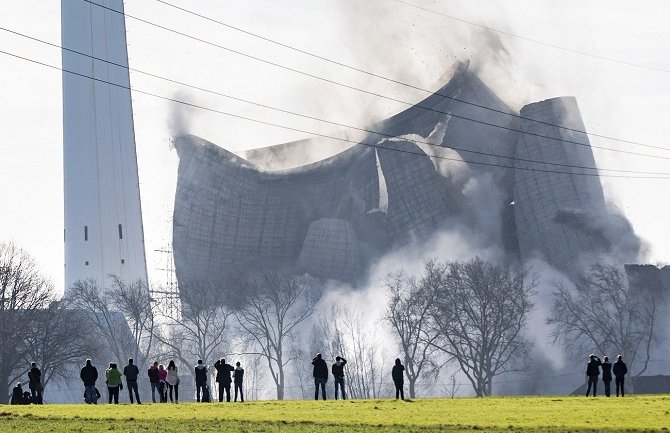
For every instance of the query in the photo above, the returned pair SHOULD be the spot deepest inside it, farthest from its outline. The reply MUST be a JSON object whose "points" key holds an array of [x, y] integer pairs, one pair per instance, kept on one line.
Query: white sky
{"points": [[382, 36]]}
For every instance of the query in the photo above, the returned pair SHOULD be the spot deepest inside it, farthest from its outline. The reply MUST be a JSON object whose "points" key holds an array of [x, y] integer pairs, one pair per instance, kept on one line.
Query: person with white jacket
{"points": [[172, 381]]}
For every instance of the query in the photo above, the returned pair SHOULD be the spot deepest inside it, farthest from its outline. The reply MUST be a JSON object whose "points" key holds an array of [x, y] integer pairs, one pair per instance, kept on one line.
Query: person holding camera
{"points": [[592, 373]]}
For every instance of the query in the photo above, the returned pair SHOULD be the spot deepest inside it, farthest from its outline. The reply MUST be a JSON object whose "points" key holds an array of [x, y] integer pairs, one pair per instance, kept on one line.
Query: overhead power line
{"points": [[535, 41], [396, 81], [378, 146], [410, 104], [361, 129]]}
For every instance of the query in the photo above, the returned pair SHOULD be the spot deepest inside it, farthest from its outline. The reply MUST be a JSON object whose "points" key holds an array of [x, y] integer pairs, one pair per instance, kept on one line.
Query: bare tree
{"points": [[452, 386], [408, 312], [602, 313], [480, 312], [274, 305], [302, 370], [23, 290], [134, 301], [103, 317], [345, 332], [200, 328], [56, 340]]}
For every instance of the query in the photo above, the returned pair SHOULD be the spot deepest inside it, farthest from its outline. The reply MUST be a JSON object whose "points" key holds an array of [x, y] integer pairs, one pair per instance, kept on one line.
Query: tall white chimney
{"points": [[103, 216]]}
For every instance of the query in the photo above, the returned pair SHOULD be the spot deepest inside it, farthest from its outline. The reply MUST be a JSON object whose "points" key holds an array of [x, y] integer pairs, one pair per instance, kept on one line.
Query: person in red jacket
{"points": [[162, 389], [154, 379]]}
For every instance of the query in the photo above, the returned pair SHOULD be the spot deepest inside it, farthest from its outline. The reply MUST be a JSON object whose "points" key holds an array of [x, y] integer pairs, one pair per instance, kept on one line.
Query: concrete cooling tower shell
{"points": [[330, 249], [230, 217], [543, 199], [288, 207], [470, 126], [273, 208]]}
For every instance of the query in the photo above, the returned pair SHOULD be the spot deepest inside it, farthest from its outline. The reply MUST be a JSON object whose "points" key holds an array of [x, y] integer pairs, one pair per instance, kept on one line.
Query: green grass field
{"points": [[510, 414]]}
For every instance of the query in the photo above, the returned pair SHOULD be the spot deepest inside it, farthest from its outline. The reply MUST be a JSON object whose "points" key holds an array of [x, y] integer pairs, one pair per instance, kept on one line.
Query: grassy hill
{"points": [[497, 414]]}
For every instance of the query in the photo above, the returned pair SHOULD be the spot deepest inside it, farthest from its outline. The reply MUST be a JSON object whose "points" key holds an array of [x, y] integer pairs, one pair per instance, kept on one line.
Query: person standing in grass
{"points": [[113, 380], [223, 378], [89, 375], [172, 381], [320, 374], [162, 375], [35, 383], [619, 369], [607, 374], [200, 373], [153, 380], [398, 375], [592, 373], [131, 372], [17, 394], [238, 378], [338, 373]]}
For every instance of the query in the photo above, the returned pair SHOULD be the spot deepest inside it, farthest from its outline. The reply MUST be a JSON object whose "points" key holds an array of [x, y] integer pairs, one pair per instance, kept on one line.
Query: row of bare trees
{"points": [[472, 313], [206, 327], [34, 325], [602, 314], [468, 314], [343, 330]]}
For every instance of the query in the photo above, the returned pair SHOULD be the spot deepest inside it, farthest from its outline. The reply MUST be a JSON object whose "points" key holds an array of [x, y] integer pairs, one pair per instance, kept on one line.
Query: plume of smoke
{"points": [[538, 330], [180, 116], [611, 231]]}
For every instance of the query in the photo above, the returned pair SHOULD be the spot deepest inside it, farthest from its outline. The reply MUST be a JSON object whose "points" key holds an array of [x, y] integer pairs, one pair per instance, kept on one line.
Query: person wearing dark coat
{"points": [[238, 376], [154, 381], [592, 373], [200, 373], [607, 374], [320, 374], [26, 398], [338, 373], [398, 375], [223, 378], [35, 383], [17, 394], [132, 372], [88, 375], [619, 369]]}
